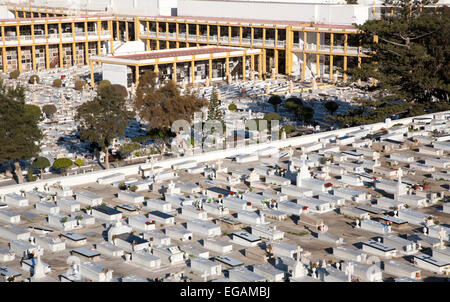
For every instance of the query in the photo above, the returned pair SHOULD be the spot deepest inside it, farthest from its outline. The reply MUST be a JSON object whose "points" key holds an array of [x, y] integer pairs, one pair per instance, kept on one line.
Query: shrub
{"points": [[289, 129], [62, 163], [232, 107], [57, 83], [121, 90], [271, 116], [30, 175], [34, 78], [79, 84], [49, 110], [14, 74], [129, 148], [79, 162], [103, 84]]}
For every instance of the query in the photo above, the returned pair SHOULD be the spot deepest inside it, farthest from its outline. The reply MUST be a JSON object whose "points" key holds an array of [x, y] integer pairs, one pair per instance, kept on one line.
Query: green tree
{"points": [[79, 162], [127, 149], [331, 107], [103, 119], [121, 90], [49, 110], [161, 105], [307, 113], [62, 164], [275, 100], [41, 163], [214, 113], [20, 135], [34, 110], [272, 116], [409, 51], [103, 84]]}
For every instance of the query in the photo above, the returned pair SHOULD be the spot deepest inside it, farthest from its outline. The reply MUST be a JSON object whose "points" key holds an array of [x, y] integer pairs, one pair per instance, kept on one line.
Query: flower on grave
{"points": [[305, 208], [231, 193], [374, 178], [148, 223], [220, 196], [295, 167], [389, 222], [328, 185], [11, 278], [153, 222], [249, 203]]}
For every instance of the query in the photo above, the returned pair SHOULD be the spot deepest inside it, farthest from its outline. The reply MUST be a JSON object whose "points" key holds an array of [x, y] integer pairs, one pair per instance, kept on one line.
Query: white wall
{"points": [[327, 14], [116, 74], [5, 13]]}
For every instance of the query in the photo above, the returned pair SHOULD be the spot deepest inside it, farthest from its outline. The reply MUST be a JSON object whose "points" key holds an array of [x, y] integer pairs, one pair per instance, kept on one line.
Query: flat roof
{"points": [[229, 261], [106, 210], [169, 55], [86, 252], [248, 21], [73, 236]]}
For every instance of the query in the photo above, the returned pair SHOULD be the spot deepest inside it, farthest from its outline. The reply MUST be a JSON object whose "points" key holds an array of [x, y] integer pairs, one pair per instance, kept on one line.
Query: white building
{"points": [[50, 244], [7, 216], [431, 264], [169, 255], [89, 199], [95, 272], [267, 232], [16, 200], [203, 228], [245, 239], [206, 267], [217, 245], [377, 248], [145, 259]]}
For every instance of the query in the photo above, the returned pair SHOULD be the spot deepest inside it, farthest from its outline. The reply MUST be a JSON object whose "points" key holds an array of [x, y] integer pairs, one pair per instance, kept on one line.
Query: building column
{"points": [[47, 50], [244, 58], [117, 30], [19, 49], [229, 35], [317, 53], [74, 48], [174, 70], [240, 34], [111, 41], [157, 35], [99, 35], [345, 68], [218, 34], [86, 44], [227, 65], [61, 54], [177, 28], [252, 36], [91, 63], [252, 62], [210, 69], [192, 71], [275, 54], [4, 58], [207, 33], [305, 47], [167, 36], [33, 47], [260, 68], [264, 61], [137, 76]]}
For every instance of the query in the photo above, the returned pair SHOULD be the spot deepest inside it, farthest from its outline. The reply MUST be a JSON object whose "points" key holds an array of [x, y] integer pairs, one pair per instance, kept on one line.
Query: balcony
{"points": [[55, 38]]}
